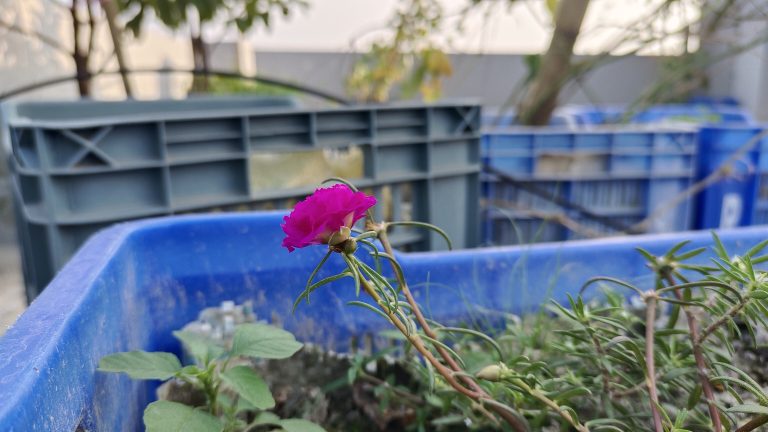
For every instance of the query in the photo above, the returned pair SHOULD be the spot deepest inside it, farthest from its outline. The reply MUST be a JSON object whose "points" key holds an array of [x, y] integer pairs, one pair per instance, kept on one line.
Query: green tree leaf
{"points": [[142, 364], [263, 341], [199, 346], [166, 416], [299, 425], [249, 386]]}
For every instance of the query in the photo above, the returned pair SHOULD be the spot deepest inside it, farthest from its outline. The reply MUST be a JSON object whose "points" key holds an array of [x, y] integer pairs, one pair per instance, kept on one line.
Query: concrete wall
{"points": [[487, 77]]}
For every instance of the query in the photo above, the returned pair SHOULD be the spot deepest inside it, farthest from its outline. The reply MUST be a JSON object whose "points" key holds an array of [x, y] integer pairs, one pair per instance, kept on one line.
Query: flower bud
{"points": [[350, 246], [490, 373]]}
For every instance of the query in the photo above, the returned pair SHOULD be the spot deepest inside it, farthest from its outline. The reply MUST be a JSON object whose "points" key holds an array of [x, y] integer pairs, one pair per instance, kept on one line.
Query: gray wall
{"points": [[487, 77]]}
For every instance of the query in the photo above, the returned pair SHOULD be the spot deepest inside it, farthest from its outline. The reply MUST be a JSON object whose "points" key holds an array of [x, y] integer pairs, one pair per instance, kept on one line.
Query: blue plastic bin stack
{"points": [[606, 182], [740, 196], [81, 166]]}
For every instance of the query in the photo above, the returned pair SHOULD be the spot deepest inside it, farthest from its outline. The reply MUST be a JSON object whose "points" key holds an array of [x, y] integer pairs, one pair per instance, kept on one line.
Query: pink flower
{"points": [[323, 213]]}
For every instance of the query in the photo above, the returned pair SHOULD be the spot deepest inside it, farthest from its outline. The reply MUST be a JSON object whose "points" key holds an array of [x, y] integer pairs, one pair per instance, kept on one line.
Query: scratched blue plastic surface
{"points": [[133, 284]]}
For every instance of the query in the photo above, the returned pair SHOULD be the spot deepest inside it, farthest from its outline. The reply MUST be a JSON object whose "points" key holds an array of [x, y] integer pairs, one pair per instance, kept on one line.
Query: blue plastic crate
{"points": [[701, 113], [130, 286], [78, 167], [741, 198], [606, 181]]}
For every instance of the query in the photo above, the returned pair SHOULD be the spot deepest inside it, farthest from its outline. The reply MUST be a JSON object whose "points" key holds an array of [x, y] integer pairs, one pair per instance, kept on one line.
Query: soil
{"points": [[313, 385]]}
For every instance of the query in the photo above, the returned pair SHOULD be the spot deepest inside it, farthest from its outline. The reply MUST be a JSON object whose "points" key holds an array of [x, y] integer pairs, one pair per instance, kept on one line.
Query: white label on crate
{"points": [[730, 214]]}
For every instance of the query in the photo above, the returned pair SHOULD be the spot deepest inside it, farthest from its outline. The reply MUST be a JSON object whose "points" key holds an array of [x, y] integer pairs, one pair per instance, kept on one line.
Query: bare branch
{"points": [[91, 27], [53, 43]]}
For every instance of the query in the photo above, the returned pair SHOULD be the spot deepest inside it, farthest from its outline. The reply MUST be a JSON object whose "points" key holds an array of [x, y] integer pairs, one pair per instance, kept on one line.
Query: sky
{"points": [[523, 27]]}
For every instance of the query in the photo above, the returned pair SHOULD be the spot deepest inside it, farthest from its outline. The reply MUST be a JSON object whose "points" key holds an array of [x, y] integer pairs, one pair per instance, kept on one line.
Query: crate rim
{"points": [[13, 120]]}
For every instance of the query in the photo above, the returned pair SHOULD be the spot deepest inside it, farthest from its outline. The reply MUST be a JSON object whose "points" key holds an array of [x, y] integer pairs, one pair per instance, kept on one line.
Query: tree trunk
{"points": [[80, 56], [541, 99], [200, 83], [110, 10]]}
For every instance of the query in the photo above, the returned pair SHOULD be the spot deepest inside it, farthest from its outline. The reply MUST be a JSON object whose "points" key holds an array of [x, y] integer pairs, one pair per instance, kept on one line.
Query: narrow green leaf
{"points": [[263, 341], [647, 255], [356, 275], [142, 364], [694, 397], [566, 395], [306, 292], [757, 249], [310, 289], [445, 347], [612, 280], [475, 333], [670, 253], [166, 416], [719, 248], [429, 226], [340, 180], [758, 294], [369, 307], [249, 386], [690, 254], [749, 409]]}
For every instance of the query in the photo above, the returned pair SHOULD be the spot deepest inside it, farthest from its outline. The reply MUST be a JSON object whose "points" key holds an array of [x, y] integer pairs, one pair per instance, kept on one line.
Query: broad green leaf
{"points": [[266, 417], [249, 386], [199, 346], [166, 416], [142, 364], [263, 341], [299, 425]]}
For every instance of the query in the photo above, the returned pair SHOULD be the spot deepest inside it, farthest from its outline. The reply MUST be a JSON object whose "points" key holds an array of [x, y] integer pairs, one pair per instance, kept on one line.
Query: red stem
{"points": [[650, 361], [701, 364]]}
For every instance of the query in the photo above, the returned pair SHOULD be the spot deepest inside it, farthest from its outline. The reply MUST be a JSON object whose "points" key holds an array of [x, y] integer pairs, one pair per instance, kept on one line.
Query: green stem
{"points": [[552, 405], [650, 361]]}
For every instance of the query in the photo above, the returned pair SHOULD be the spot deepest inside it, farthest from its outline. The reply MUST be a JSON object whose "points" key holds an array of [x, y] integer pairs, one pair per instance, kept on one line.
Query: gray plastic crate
{"points": [[75, 174]]}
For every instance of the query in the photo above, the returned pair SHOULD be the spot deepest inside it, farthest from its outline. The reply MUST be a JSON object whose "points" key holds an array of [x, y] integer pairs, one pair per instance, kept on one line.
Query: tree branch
{"points": [[53, 43]]}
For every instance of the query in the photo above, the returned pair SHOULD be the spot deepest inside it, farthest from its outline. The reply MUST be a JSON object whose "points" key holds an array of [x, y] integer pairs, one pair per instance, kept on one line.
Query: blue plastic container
{"points": [[130, 286], [619, 175], [732, 201], [694, 113]]}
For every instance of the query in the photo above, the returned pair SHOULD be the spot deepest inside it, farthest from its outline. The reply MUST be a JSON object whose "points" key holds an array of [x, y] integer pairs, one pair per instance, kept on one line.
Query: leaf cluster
{"points": [[237, 398]]}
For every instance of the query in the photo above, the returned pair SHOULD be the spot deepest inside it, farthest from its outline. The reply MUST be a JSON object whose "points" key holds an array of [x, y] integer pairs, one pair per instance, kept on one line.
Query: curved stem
{"points": [[468, 380], [384, 239], [445, 372], [732, 312], [417, 342], [753, 424], [550, 404]]}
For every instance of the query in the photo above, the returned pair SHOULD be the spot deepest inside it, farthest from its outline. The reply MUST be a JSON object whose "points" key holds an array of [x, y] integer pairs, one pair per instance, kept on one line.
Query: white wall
{"points": [[25, 60]]}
